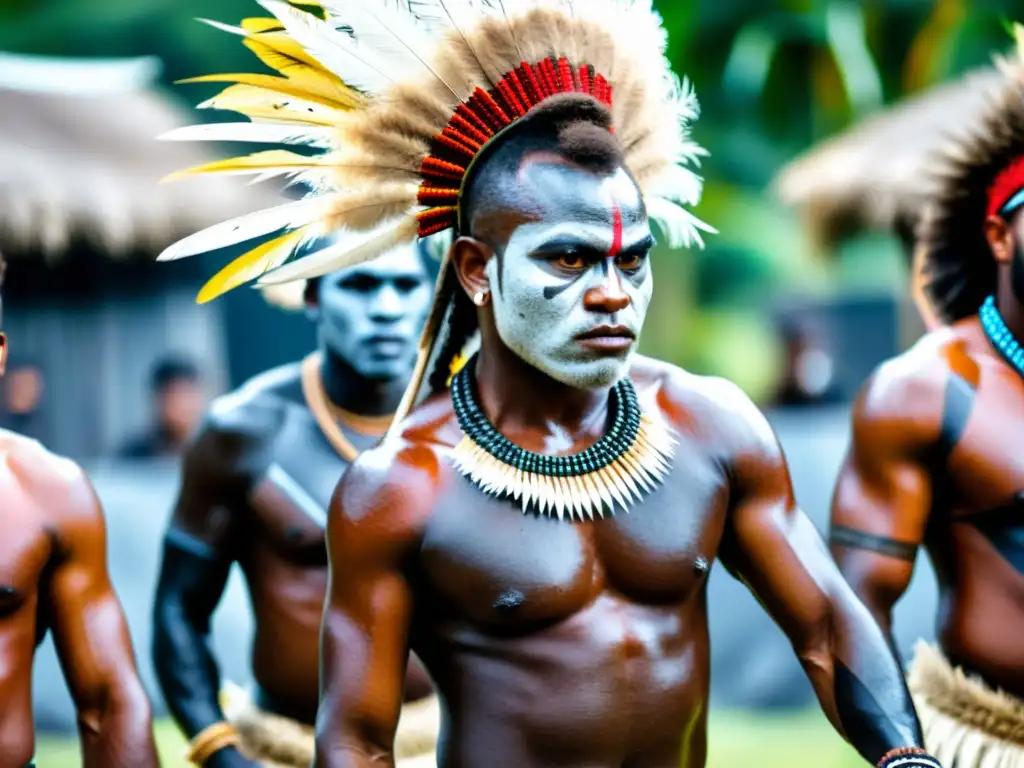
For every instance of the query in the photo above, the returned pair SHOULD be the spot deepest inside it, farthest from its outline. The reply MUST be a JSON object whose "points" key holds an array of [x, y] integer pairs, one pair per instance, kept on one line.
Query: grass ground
{"points": [[737, 740]]}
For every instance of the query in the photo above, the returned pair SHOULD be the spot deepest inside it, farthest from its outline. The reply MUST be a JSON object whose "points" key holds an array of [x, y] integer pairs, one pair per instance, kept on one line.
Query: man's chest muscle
{"points": [[291, 499], [490, 563]]}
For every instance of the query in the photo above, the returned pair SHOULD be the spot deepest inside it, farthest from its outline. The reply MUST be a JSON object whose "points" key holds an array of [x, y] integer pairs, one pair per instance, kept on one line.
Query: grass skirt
{"points": [[966, 724], [277, 742]]}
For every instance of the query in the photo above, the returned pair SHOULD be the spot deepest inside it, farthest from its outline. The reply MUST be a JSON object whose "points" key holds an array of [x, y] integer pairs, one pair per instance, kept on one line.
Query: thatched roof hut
{"points": [[873, 176], [80, 163]]}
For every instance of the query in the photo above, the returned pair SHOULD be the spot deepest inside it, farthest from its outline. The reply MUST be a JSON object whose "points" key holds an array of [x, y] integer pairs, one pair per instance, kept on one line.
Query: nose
{"points": [[387, 304], [608, 296]]}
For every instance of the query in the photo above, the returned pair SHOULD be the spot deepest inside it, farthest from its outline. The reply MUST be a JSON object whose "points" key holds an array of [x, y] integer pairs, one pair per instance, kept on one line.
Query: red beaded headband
{"points": [[1006, 187], [484, 117]]}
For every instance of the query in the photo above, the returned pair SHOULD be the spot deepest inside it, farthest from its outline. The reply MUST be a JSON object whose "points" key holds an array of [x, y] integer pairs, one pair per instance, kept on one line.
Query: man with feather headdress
{"points": [[540, 521], [53, 578], [933, 459]]}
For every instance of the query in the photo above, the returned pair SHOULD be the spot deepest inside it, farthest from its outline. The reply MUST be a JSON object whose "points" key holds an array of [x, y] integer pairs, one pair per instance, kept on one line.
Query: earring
{"points": [[480, 298]]}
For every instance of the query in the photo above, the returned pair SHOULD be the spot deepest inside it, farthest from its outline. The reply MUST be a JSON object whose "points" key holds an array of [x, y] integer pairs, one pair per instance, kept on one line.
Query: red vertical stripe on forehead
{"points": [[616, 232]]}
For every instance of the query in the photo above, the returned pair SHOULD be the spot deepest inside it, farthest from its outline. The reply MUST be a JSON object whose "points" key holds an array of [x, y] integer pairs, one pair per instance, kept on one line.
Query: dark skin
{"points": [[932, 463], [255, 489], [577, 644], [53, 577]]}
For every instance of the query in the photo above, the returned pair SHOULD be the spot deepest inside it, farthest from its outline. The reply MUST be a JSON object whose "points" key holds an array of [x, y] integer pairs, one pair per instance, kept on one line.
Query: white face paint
{"points": [[556, 281], [370, 315]]}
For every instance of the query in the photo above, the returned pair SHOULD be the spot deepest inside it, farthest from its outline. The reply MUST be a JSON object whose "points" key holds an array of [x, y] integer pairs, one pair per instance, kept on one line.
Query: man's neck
{"points": [[520, 400], [350, 391], [1011, 310]]}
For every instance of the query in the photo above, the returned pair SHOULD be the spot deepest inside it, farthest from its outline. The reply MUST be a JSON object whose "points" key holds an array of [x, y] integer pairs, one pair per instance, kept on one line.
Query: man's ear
{"points": [[470, 258], [1000, 239]]}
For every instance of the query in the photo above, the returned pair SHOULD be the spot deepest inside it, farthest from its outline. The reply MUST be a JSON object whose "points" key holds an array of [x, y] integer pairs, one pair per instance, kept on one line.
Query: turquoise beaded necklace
{"points": [[1001, 337]]}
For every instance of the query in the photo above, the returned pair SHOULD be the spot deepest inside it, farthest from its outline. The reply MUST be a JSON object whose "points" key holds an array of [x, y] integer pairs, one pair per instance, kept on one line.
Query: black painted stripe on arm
{"points": [[956, 410], [852, 538]]}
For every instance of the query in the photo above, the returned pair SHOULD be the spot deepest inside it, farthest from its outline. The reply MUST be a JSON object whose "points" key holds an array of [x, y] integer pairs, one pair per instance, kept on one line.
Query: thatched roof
{"points": [[873, 176], [79, 161]]}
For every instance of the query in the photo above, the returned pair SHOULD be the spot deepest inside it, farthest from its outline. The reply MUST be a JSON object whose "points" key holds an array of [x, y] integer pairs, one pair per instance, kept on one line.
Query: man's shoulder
{"points": [[257, 409], [387, 496], [57, 484], [905, 395], [406, 471], [708, 405]]}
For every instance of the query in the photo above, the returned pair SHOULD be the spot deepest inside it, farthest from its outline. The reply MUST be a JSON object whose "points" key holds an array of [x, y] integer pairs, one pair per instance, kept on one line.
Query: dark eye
{"points": [[572, 261], [630, 262], [406, 285], [359, 284]]}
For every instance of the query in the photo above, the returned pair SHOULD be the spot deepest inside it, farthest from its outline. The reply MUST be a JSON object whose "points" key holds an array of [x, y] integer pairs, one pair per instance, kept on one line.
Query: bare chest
{"points": [[290, 499], [25, 549], [485, 562]]}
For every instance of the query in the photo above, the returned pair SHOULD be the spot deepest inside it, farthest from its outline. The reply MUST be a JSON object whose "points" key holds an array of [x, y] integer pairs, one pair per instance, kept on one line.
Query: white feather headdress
{"points": [[400, 97]]}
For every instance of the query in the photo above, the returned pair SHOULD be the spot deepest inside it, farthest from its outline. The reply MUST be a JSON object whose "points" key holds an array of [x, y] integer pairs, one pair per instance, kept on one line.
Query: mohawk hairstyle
{"points": [[956, 268], [575, 126]]}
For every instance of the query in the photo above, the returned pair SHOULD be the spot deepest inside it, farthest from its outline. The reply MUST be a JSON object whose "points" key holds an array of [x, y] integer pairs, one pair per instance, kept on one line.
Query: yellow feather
{"points": [[257, 25], [258, 162], [260, 104], [279, 41], [251, 265], [318, 90]]}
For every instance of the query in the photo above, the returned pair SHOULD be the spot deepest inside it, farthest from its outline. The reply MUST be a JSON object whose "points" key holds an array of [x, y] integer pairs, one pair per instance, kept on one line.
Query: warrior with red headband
{"points": [[539, 523], [934, 459], [53, 578]]}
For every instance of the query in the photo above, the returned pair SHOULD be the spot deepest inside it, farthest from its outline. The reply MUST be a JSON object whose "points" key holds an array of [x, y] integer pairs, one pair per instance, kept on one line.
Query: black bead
{"points": [[624, 414]]}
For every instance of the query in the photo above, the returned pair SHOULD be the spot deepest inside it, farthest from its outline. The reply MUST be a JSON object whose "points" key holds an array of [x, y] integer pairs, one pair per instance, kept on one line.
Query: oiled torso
{"points": [[572, 644], [975, 536], [26, 549], [281, 547]]}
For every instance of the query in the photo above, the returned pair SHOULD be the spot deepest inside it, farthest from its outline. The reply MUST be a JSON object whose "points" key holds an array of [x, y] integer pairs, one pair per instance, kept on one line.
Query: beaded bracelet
{"points": [[210, 740], [908, 757]]}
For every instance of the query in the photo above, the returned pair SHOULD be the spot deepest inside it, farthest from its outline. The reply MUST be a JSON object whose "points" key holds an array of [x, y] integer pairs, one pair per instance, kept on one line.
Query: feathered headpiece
{"points": [[979, 173], [400, 98]]}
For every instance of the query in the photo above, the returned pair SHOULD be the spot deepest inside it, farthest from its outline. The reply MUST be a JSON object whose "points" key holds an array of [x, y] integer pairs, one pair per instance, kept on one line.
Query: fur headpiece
{"points": [[976, 175], [402, 97]]}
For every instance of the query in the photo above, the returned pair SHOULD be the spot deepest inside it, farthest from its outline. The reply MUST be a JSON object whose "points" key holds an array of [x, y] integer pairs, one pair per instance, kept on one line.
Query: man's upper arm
{"points": [[90, 631], [374, 525], [768, 542], [883, 495], [217, 473]]}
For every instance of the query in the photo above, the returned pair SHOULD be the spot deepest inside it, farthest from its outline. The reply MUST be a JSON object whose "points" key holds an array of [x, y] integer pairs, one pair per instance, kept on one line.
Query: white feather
{"points": [[224, 27], [351, 248], [290, 215], [681, 228], [461, 17], [678, 184], [257, 133], [392, 35], [335, 50]]}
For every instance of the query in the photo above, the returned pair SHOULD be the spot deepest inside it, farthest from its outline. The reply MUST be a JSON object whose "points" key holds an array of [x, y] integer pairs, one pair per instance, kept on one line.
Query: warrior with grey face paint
{"points": [[490, 534], [255, 488]]}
